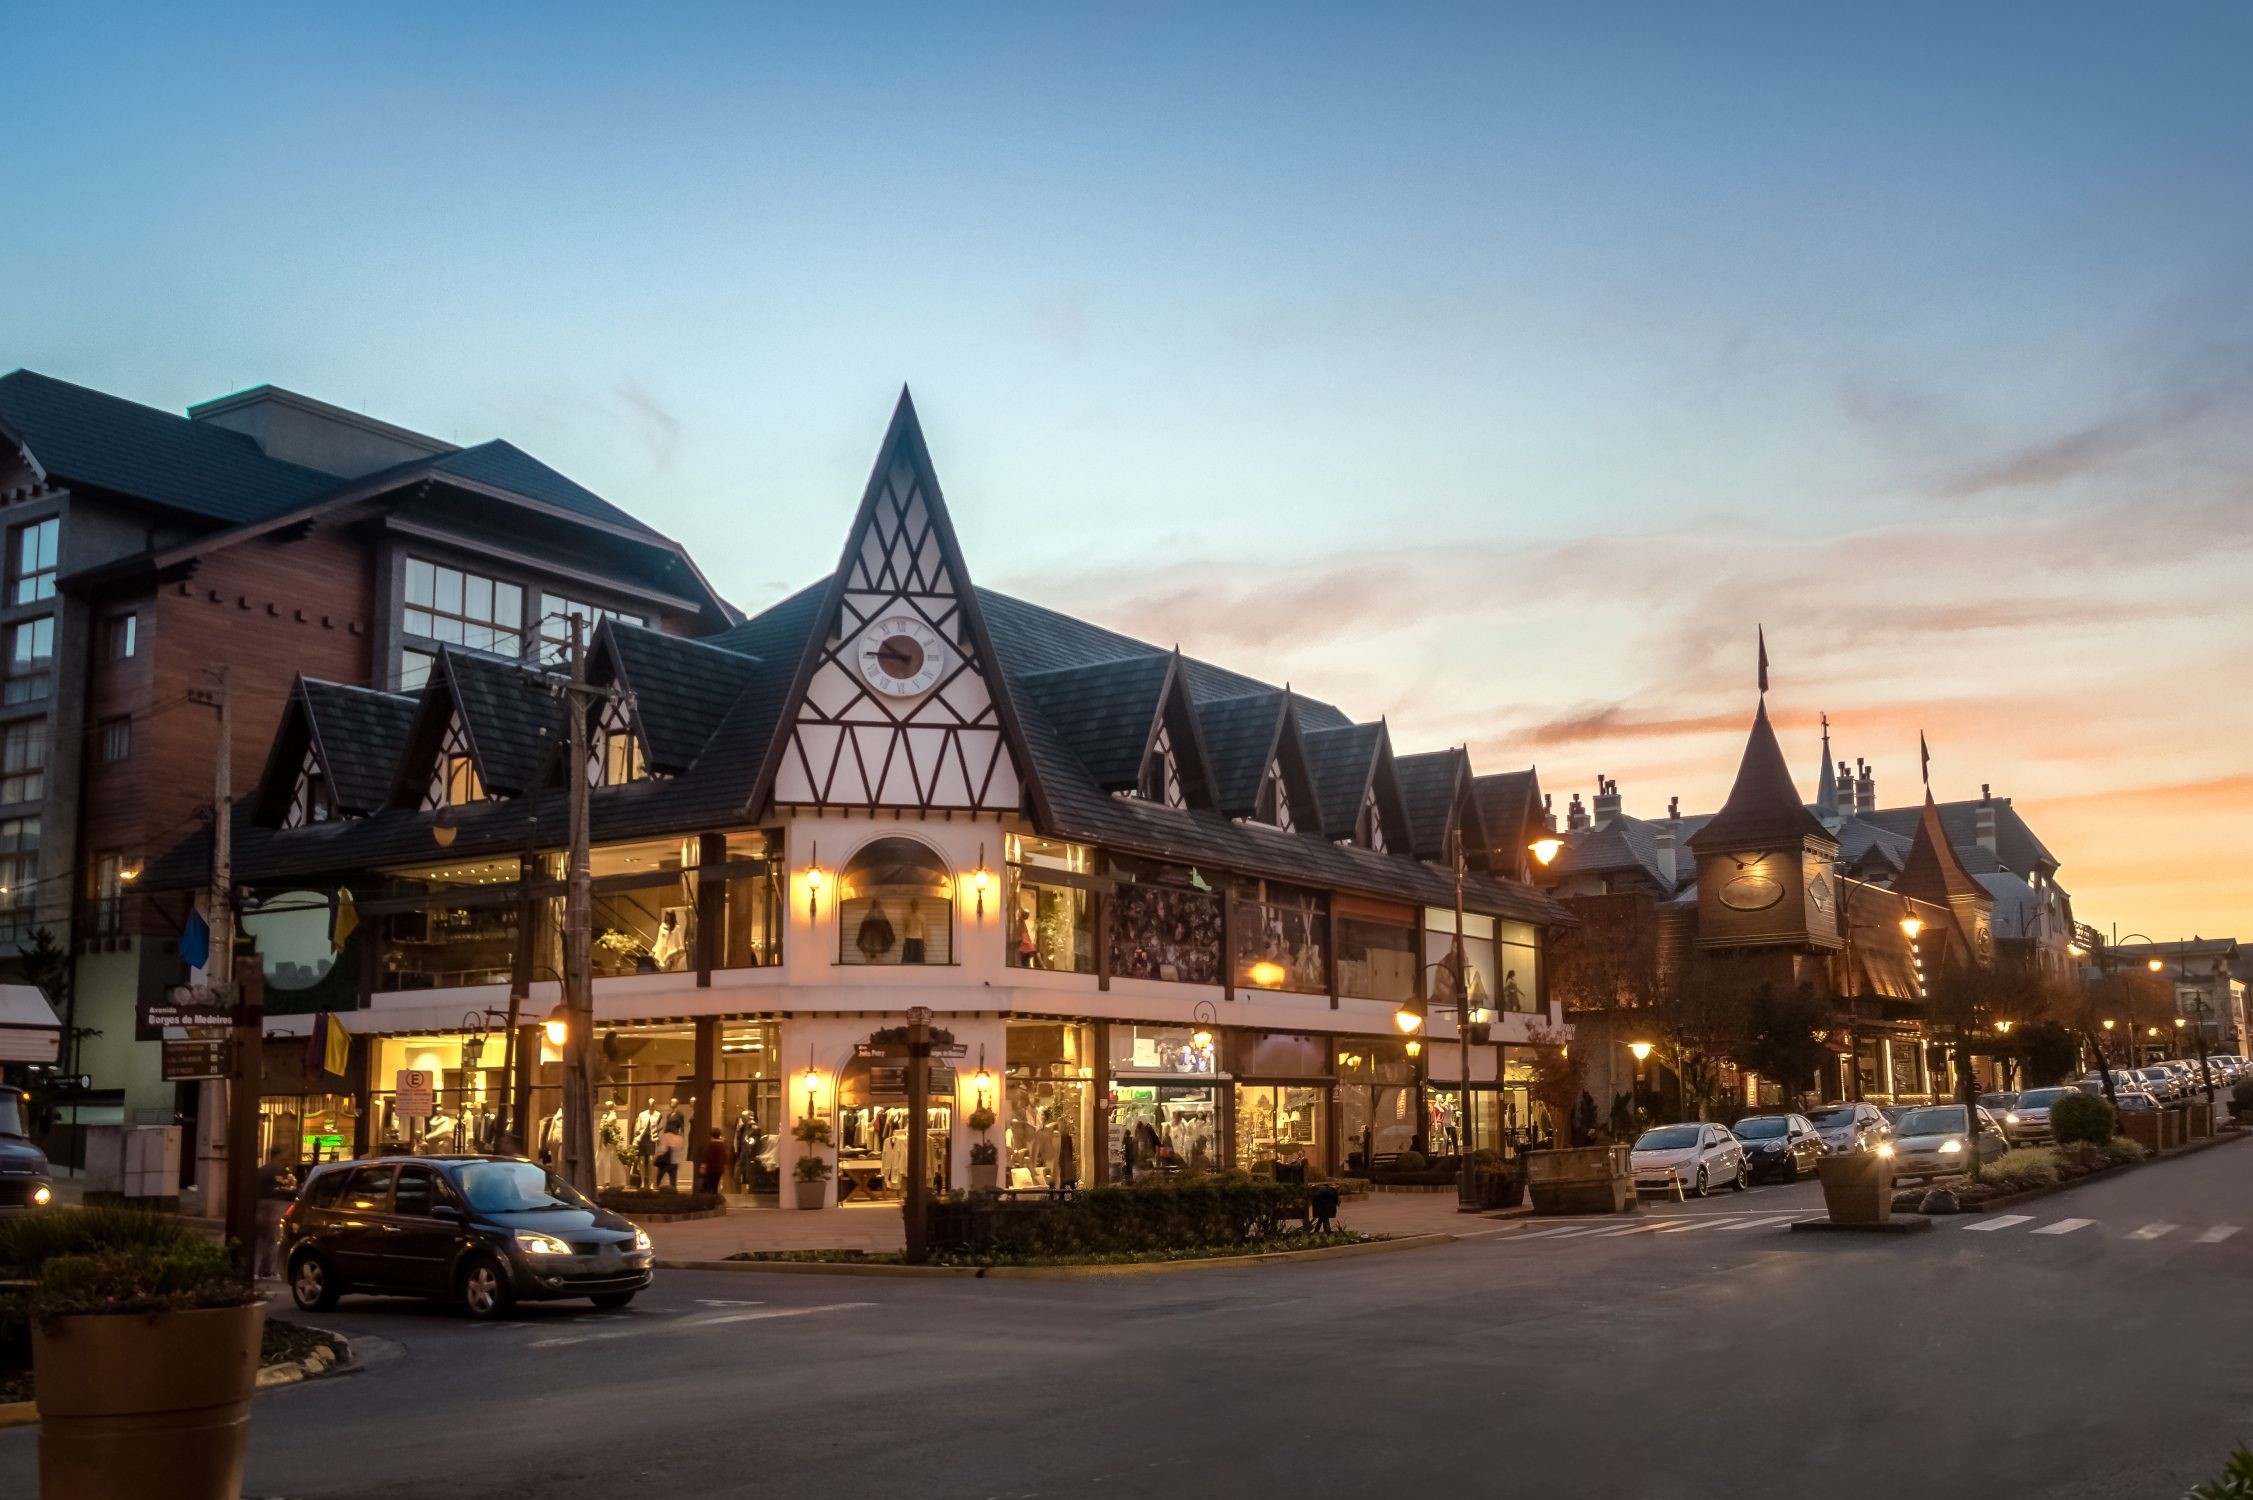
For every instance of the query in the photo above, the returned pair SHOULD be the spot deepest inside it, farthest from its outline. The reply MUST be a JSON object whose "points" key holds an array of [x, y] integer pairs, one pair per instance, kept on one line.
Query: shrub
{"points": [[811, 1129], [2123, 1152], [2082, 1117], [630, 1201], [985, 1154], [183, 1277], [1196, 1213], [981, 1118], [1486, 1159], [29, 1241], [2235, 1483], [2241, 1098], [2033, 1166], [1410, 1161], [810, 1168]]}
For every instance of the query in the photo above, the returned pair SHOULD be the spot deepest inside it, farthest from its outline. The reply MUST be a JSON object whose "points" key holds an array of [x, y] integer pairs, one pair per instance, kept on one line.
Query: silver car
{"points": [[2028, 1120], [1932, 1142], [1689, 1159]]}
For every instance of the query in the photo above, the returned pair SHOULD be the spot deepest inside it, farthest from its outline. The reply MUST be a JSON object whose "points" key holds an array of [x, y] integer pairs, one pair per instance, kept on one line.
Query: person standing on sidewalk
{"points": [[712, 1163], [277, 1186]]}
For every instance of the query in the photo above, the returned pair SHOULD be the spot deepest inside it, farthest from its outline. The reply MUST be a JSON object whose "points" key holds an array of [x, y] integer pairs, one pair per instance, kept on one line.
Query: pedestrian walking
{"points": [[713, 1164], [277, 1185]]}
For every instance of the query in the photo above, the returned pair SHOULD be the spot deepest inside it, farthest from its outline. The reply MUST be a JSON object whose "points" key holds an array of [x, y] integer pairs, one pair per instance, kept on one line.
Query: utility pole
{"points": [[231, 1105], [578, 902]]}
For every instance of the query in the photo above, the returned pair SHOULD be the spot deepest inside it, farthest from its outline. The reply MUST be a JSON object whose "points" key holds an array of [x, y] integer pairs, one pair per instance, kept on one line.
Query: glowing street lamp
{"points": [[1642, 1050], [1546, 847]]}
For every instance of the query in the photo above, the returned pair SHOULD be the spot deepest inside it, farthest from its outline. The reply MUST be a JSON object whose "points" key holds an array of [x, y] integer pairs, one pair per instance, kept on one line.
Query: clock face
{"points": [[901, 656]]}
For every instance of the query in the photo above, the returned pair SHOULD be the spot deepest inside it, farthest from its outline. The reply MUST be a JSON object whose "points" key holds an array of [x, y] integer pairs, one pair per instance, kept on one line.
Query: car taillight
{"points": [[291, 1209]]}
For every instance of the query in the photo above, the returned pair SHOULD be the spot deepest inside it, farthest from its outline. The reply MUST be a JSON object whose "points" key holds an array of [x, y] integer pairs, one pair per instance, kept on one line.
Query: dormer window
{"points": [[1276, 797], [1370, 829], [1161, 774], [309, 800], [617, 756], [454, 781]]}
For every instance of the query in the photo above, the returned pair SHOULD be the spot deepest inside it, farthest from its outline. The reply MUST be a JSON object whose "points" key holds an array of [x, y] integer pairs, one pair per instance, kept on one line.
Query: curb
{"points": [[26, 1413], [2173, 1153], [1059, 1273], [19, 1414], [1913, 1224]]}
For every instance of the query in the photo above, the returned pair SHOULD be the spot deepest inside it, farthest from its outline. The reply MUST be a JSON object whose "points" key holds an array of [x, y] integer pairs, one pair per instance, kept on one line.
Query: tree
{"points": [[2048, 1053], [1557, 1077], [1781, 1035]]}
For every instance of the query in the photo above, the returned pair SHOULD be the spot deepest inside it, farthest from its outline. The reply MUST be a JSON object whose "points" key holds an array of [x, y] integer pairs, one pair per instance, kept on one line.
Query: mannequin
{"points": [[672, 1145], [438, 1132], [647, 1126], [669, 947], [1028, 947], [911, 935], [875, 936], [746, 1147], [610, 1134], [551, 1137]]}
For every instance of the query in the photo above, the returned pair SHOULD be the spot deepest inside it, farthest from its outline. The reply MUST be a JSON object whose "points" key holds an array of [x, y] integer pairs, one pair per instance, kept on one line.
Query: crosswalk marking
{"points": [[1561, 1232], [1613, 1234], [2000, 1221], [2152, 1231], [2065, 1226], [2217, 1234], [1764, 1223]]}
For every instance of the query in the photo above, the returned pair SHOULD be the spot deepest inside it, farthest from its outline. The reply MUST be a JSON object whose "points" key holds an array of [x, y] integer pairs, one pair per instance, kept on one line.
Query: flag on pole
{"points": [[1924, 754], [337, 1054], [344, 917], [1763, 657], [195, 940]]}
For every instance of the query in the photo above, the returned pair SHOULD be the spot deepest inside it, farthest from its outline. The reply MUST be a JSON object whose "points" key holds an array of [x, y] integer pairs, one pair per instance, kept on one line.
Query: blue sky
{"points": [[1495, 369]]}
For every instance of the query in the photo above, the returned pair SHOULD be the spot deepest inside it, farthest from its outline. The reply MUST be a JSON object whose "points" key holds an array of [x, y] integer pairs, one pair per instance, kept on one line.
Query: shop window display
{"points": [[1521, 968], [873, 1125], [1478, 957], [1282, 938], [1377, 1111], [1281, 1129], [1165, 924], [1049, 1117], [1161, 1130], [895, 905], [306, 1128], [1052, 895], [754, 924], [1161, 1049], [1444, 1127], [644, 922], [446, 945], [1376, 955], [747, 1106], [465, 1114]]}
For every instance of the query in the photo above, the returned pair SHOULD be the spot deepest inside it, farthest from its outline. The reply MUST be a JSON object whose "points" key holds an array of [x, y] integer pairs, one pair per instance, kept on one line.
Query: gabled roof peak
{"points": [[1763, 809]]}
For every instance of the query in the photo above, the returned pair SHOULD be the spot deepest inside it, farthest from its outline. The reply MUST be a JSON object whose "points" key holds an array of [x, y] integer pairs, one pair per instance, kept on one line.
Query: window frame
{"points": [[28, 679], [427, 619], [37, 583]]}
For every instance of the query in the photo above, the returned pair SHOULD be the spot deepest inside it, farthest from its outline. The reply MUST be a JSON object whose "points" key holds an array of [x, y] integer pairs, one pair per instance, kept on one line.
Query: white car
{"points": [[1932, 1141], [1689, 1159]]}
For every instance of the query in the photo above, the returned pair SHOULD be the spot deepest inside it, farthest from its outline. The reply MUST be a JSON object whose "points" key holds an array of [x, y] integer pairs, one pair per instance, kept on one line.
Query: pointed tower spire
{"points": [[1932, 872], [1763, 810], [1826, 786], [1763, 630]]}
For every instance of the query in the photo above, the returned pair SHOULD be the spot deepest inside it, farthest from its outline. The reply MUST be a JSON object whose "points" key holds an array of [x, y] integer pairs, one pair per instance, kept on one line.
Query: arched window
{"points": [[895, 905]]}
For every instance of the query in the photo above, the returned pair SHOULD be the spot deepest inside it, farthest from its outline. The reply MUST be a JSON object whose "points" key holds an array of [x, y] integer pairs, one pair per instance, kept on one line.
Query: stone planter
{"points": [[1496, 1189], [2201, 1117], [2144, 1128], [814, 1194], [985, 1175], [1580, 1180], [146, 1406], [1857, 1189]]}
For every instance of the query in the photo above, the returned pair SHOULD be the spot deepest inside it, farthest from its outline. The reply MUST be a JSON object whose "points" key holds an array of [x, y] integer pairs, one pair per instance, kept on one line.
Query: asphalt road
{"points": [[1699, 1350]]}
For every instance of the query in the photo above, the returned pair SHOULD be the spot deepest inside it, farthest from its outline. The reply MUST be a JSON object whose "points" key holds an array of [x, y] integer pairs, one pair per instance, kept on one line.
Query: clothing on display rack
{"points": [[911, 936], [610, 1134]]}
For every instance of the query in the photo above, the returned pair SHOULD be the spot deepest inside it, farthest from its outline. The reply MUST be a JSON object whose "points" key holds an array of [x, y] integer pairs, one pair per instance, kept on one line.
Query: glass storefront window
{"points": [[1165, 924], [1281, 1129], [1049, 1118], [1377, 958], [444, 946], [1161, 1049], [1281, 938], [1478, 956], [895, 905], [873, 1125], [747, 1106], [466, 1106], [752, 938], [1376, 1103], [650, 928], [1521, 968], [1445, 1125], [1051, 916], [306, 1128], [1161, 1130]]}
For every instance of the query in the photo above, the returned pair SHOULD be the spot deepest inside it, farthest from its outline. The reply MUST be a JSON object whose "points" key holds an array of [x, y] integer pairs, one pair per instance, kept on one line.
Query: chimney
{"points": [[1983, 818], [1549, 811], [1663, 853], [1865, 787], [1846, 793], [1576, 816], [315, 435], [1607, 801]]}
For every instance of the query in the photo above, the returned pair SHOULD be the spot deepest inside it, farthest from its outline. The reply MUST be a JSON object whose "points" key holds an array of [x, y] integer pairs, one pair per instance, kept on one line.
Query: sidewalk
{"points": [[877, 1227]]}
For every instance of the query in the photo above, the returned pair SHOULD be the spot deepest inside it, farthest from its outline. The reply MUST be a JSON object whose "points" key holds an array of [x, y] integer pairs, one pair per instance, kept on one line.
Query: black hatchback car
{"points": [[1782, 1147], [484, 1231]]}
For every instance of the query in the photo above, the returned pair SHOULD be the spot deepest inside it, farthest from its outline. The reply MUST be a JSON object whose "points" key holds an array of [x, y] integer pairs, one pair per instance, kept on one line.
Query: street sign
{"points": [[414, 1093], [198, 1059], [181, 1006]]}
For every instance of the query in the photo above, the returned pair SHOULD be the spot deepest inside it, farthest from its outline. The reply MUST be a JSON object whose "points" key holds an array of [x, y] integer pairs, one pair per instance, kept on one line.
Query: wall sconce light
{"points": [[980, 878], [2181, 1022], [814, 880], [983, 1082], [1201, 1039], [811, 1078], [1410, 1016], [2155, 964], [2005, 1026], [2108, 1023], [1267, 974]]}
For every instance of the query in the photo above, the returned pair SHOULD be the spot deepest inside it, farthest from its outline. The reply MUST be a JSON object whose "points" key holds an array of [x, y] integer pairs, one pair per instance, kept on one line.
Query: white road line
{"points": [[2216, 1235], [776, 1312], [1622, 1232], [1691, 1226], [2064, 1226], [1999, 1221], [2152, 1231], [1564, 1232], [1763, 1223]]}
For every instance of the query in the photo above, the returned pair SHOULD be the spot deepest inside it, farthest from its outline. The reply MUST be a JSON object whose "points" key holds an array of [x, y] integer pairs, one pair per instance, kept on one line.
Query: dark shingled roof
{"points": [[2016, 847], [681, 688], [1932, 872], [1241, 735], [360, 733], [514, 719], [1431, 783], [1104, 711], [88, 438], [1341, 761], [1763, 810], [505, 466]]}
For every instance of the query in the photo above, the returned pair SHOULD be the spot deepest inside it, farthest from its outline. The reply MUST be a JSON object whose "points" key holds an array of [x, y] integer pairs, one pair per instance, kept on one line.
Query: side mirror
{"points": [[449, 1212]]}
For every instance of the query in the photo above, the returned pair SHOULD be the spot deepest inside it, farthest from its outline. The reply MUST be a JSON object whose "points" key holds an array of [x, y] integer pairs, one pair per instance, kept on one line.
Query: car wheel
{"points": [[1744, 1177], [1791, 1169], [1700, 1188], [485, 1289], [311, 1286], [608, 1300]]}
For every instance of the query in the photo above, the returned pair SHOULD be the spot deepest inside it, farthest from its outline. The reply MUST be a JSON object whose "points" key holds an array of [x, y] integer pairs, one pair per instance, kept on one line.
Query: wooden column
{"points": [[704, 1113], [1227, 943], [1102, 942], [711, 905]]}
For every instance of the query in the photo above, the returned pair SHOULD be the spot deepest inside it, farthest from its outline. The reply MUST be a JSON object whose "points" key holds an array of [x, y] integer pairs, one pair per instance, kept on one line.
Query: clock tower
{"points": [[1765, 875]]}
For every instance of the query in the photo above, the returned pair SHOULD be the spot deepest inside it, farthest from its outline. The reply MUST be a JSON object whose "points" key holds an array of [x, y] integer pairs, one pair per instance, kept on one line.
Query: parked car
{"points": [[1850, 1129], [2228, 1067], [24, 1180], [485, 1231], [2161, 1083], [1894, 1112], [2093, 1083], [2028, 1120], [2133, 1101], [1784, 1147], [1689, 1159], [1933, 1142], [1998, 1105]]}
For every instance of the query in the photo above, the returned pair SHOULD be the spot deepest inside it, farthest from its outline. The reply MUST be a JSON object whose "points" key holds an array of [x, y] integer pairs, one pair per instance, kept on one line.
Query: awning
{"points": [[29, 1031]]}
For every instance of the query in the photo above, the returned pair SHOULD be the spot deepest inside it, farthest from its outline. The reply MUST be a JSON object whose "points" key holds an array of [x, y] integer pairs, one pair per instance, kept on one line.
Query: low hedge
{"points": [[1199, 1213], [631, 1201], [105, 1260]]}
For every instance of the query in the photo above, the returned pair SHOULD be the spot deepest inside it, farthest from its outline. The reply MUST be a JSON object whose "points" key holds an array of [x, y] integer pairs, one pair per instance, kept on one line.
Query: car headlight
{"points": [[641, 1239], [2010, 1119], [42, 1195], [1885, 1148], [532, 1242], [1951, 1147]]}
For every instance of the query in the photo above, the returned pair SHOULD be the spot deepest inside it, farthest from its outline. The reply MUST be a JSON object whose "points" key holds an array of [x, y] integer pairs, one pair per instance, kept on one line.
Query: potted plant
{"points": [[812, 1170], [985, 1165], [145, 1347], [1857, 1188]]}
